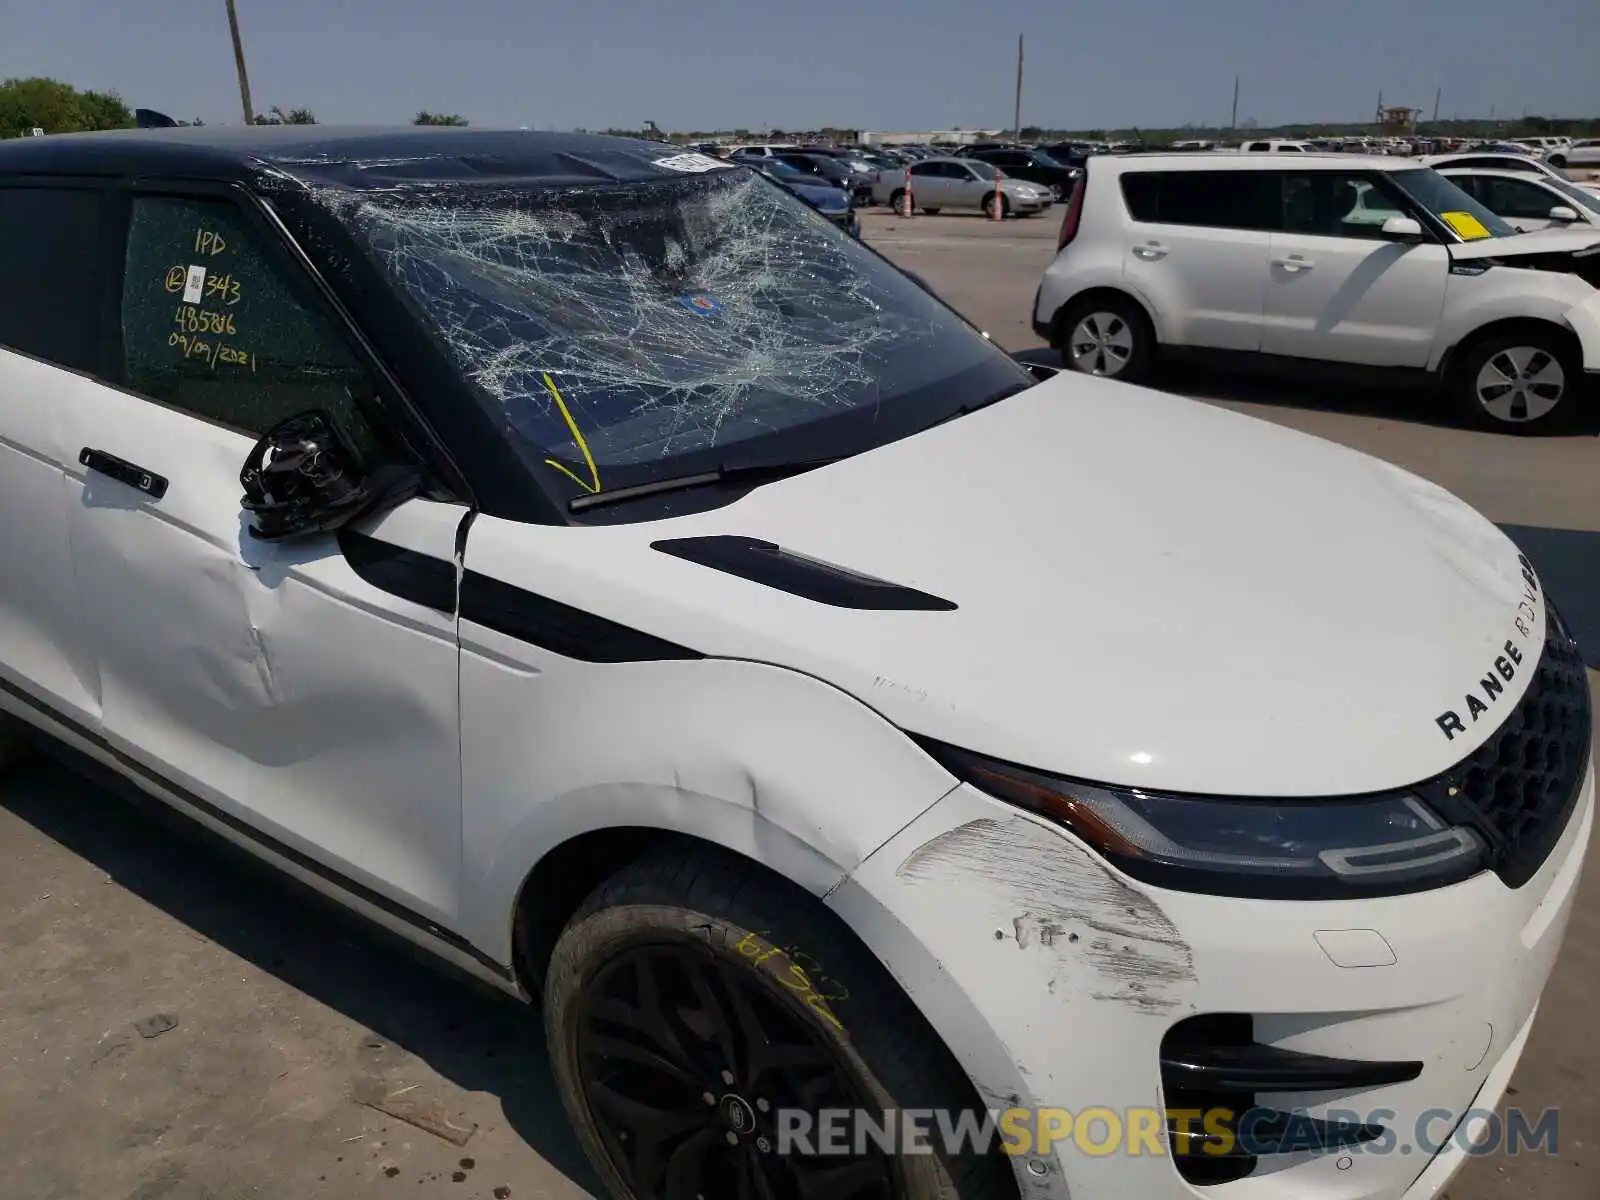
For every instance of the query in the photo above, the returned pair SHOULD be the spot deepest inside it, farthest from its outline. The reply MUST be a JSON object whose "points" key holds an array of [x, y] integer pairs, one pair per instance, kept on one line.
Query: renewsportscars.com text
{"points": [[1104, 1131]]}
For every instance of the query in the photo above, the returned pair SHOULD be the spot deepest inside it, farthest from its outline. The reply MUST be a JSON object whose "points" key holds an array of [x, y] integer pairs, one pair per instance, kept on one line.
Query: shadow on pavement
{"points": [[480, 1041]]}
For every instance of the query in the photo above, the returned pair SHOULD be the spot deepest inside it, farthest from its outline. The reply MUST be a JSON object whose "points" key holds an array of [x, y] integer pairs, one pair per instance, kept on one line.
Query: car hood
{"points": [[1544, 241], [820, 195], [1148, 590]]}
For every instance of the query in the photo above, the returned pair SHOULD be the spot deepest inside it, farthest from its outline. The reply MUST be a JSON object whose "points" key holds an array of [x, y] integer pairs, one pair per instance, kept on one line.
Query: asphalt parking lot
{"points": [[175, 1028]]}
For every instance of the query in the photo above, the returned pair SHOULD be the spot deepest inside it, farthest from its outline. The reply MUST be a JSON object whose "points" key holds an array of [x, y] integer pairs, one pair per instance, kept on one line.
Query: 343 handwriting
{"points": [[193, 321], [814, 987]]}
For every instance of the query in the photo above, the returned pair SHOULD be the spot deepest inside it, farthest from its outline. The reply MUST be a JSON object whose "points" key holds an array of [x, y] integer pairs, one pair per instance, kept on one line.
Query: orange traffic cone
{"points": [[999, 208], [907, 205]]}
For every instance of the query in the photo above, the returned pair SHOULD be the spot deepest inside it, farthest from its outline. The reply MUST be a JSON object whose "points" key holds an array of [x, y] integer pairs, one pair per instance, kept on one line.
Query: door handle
{"points": [[1150, 251], [148, 482], [1294, 262]]}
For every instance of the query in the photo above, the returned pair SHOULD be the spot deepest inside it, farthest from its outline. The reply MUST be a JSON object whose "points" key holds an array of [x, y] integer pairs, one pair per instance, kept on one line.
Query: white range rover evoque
{"points": [[587, 562]]}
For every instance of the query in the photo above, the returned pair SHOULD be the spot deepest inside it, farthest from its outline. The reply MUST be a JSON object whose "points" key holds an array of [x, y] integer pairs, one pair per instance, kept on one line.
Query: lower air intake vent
{"points": [[1213, 1069]]}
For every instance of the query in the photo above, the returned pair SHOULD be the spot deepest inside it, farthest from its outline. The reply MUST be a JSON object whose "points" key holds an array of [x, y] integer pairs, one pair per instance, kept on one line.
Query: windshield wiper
{"points": [[726, 473]]}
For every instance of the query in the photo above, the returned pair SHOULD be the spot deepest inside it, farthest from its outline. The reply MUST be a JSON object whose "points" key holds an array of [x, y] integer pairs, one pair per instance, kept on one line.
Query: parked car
{"points": [[1069, 154], [1277, 145], [654, 637], [833, 171], [961, 183], [1337, 260], [1528, 203], [832, 202], [1584, 153], [1033, 166], [764, 150], [1494, 161]]}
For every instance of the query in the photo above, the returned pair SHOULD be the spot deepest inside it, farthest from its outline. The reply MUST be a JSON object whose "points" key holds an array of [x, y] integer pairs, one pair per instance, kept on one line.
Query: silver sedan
{"points": [[939, 183]]}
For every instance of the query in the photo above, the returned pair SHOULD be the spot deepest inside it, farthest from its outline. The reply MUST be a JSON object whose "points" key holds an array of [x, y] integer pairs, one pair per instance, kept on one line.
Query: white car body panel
{"points": [[44, 636], [554, 748], [1194, 551], [1352, 300], [264, 678], [1210, 285]]}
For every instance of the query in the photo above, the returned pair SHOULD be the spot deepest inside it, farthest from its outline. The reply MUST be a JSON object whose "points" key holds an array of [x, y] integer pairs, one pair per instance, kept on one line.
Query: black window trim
{"points": [[108, 325], [391, 412], [1433, 230]]}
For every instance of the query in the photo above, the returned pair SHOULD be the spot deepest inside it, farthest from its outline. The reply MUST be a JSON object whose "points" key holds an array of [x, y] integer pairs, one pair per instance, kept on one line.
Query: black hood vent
{"points": [[773, 566]]}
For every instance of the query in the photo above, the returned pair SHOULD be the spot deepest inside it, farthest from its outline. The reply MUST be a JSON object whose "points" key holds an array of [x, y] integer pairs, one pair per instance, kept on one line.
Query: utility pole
{"points": [[238, 60], [1233, 121], [1016, 113], [1437, 95]]}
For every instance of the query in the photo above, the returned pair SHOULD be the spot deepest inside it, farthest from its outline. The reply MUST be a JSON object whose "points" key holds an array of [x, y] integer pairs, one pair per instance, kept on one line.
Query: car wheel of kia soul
{"points": [[1518, 381], [1108, 337], [700, 1013]]}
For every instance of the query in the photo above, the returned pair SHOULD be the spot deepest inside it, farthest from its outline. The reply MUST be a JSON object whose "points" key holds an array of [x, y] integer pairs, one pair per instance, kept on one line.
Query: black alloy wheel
{"points": [[686, 1061], [706, 1020]]}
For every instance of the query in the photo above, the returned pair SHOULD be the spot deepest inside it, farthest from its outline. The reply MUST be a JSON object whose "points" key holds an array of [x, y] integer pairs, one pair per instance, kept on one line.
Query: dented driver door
{"points": [[305, 691]]}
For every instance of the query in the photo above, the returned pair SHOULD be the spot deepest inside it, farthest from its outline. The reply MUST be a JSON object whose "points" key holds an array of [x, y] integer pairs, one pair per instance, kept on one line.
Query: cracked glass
{"points": [[636, 330]]}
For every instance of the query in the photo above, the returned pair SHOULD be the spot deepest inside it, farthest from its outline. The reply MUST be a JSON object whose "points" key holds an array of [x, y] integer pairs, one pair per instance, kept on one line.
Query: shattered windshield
{"points": [[628, 332]]}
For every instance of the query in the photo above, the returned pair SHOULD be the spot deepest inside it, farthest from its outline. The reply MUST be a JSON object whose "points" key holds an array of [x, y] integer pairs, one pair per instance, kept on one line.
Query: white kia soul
{"points": [[893, 776], [1373, 266]]}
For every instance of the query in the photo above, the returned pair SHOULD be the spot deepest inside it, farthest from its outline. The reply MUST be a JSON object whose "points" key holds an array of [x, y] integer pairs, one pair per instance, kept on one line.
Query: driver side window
{"points": [[214, 323]]}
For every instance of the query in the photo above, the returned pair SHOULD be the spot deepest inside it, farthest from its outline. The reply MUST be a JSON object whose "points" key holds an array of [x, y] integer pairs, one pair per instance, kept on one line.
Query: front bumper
{"points": [[1067, 976]]}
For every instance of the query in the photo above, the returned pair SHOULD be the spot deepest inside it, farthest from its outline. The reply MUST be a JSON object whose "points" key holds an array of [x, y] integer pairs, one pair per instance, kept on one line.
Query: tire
{"points": [[669, 984], [1558, 161], [1108, 336], [1517, 381], [895, 198], [988, 206]]}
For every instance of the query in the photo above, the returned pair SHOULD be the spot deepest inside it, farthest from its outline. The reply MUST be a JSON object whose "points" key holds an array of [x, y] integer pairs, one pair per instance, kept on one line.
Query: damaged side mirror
{"points": [[303, 478]]}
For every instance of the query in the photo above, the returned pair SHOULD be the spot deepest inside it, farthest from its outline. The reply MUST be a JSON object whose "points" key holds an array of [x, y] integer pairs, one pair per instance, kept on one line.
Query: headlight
{"points": [[1311, 849]]}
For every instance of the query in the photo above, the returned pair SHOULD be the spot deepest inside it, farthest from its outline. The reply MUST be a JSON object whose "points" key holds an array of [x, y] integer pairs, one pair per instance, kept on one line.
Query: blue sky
{"points": [[877, 64]]}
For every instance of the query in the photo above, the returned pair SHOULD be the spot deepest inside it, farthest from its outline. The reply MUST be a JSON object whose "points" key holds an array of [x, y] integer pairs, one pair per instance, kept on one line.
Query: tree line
{"points": [[55, 107]]}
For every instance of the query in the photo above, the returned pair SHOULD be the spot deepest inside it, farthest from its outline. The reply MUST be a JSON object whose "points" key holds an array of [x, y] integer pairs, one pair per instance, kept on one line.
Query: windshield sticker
{"points": [[702, 305], [592, 484], [692, 162], [1466, 225], [194, 285]]}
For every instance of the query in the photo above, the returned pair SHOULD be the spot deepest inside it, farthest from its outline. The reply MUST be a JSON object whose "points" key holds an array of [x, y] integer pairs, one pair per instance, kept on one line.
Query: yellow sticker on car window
{"points": [[1467, 225]]}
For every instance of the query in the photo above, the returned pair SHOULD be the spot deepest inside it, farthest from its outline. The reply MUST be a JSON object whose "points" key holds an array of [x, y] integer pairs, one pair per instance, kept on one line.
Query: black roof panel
{"points": [[353, 156]]}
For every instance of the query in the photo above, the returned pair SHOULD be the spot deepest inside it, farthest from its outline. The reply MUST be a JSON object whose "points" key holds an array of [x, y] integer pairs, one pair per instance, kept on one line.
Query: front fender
{"points": [[1563, 300], [1584, 320], [769, 763]]}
